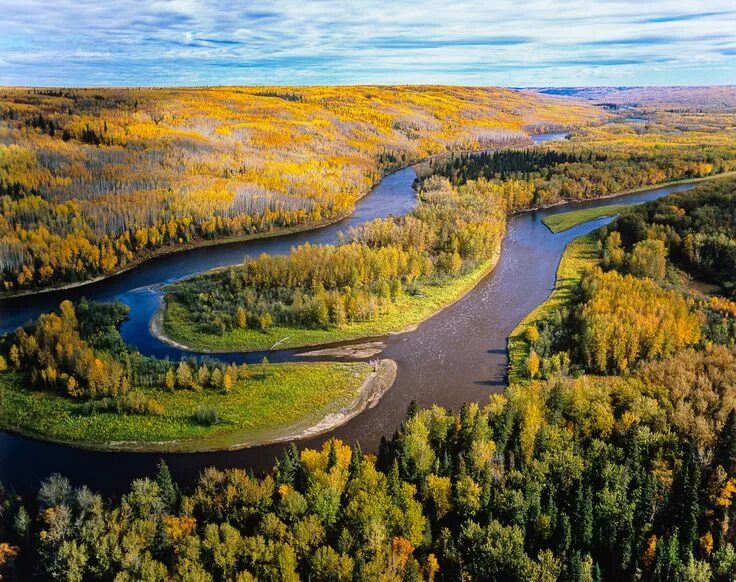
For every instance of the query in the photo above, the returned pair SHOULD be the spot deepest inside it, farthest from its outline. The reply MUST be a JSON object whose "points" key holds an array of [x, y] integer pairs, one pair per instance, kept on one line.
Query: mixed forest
{"points": [[93, 181], [663, 279], [629, 477], [384, 267], [611, 456], [615, 460]]}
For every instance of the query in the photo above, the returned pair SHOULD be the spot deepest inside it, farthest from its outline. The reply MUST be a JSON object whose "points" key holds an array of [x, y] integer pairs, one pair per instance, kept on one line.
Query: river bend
{"points": [[458, 355]]}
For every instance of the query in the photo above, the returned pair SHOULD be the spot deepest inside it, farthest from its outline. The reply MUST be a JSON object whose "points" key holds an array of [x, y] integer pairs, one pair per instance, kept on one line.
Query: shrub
{"points": [[265, 321], [532, 364], [206, 415], [136, 402]]}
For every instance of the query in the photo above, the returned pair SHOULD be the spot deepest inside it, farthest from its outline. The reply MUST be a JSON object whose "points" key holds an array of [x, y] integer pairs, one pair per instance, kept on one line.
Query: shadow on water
{"points": [[456, 356]]}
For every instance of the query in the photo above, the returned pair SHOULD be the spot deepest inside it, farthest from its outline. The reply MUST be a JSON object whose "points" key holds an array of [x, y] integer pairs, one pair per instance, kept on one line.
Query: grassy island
{"points": [[69, 377], [406, 312], [276, 401]]}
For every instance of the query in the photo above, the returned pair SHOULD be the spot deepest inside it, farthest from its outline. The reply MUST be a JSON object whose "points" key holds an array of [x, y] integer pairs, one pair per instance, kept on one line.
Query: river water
{"points": [[456, 356]]}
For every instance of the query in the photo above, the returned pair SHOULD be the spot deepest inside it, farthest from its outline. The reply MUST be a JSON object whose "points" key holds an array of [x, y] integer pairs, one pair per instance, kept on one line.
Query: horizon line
{"points": [[419, 84]]}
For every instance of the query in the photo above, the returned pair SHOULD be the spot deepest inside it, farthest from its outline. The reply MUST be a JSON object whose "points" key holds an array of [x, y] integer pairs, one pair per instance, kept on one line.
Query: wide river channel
{"points": [[458, 355]]}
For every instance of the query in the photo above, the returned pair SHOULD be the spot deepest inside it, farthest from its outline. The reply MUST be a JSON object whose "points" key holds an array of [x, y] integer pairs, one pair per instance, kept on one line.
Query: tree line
{"points": [[602, 160], [503, 164]]}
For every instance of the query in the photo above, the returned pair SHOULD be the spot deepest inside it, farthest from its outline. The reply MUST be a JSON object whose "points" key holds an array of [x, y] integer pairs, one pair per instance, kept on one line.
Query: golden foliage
{"points": [[626, 319], [91, 180]]}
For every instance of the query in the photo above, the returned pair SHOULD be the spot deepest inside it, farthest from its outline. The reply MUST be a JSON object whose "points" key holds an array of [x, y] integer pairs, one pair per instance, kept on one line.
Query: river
{"points": [[456, 356]]}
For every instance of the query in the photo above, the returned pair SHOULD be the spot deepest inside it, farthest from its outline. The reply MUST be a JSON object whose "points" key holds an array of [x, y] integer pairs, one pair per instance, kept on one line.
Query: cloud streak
{"points": [[535, 42]]}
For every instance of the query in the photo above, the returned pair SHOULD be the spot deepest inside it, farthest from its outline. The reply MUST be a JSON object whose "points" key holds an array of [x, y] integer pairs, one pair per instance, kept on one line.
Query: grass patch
{"points": [[277, 397], [559, 222], [406, 312], [580, 254]]}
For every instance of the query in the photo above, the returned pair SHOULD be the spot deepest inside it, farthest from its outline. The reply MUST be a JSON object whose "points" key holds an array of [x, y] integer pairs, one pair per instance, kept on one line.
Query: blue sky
{"points": [[490, 42]]}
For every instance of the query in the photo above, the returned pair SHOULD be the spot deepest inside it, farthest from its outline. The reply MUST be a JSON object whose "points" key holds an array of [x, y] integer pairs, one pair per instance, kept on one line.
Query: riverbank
{"points": [[557, 223], [580, 255], [171, 325], [370, 392], [279, 402], [628, 192], [180, 248]]}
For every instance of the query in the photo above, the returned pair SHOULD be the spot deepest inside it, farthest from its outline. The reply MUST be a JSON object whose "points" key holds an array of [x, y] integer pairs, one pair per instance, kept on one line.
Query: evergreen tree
{"points": [[355, 461], [725, 450], [331, 456], [288, 466], [690, 507], [168, 490]]}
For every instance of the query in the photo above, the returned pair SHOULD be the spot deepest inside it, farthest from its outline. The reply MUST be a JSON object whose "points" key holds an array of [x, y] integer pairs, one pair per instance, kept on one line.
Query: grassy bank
{"points": [[580, 254], [278, 400], [560, 222], [405, 313]]}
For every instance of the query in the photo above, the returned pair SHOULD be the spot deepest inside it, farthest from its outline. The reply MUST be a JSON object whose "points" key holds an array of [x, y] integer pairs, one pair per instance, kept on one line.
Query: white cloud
{"points": [[538, 42]]}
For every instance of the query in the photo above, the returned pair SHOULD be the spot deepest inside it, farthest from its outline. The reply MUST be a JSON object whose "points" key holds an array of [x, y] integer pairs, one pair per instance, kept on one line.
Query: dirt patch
{"points": [[358, 351]]}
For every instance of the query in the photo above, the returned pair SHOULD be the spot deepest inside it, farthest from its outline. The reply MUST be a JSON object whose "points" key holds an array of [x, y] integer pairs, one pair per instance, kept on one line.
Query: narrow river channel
{"points": [[456, 356]]}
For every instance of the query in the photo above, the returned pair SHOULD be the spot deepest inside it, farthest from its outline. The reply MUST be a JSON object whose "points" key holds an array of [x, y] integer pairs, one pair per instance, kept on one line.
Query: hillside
{"points": [[93, 180]]}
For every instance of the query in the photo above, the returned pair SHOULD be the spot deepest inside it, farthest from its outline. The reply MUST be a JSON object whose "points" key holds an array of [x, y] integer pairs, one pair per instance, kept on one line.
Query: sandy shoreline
{"points": [[156, 327], [370, 392]]}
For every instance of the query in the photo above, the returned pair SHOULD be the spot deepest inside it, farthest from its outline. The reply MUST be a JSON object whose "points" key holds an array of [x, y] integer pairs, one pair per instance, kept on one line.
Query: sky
{"points": [[315, 42]]}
